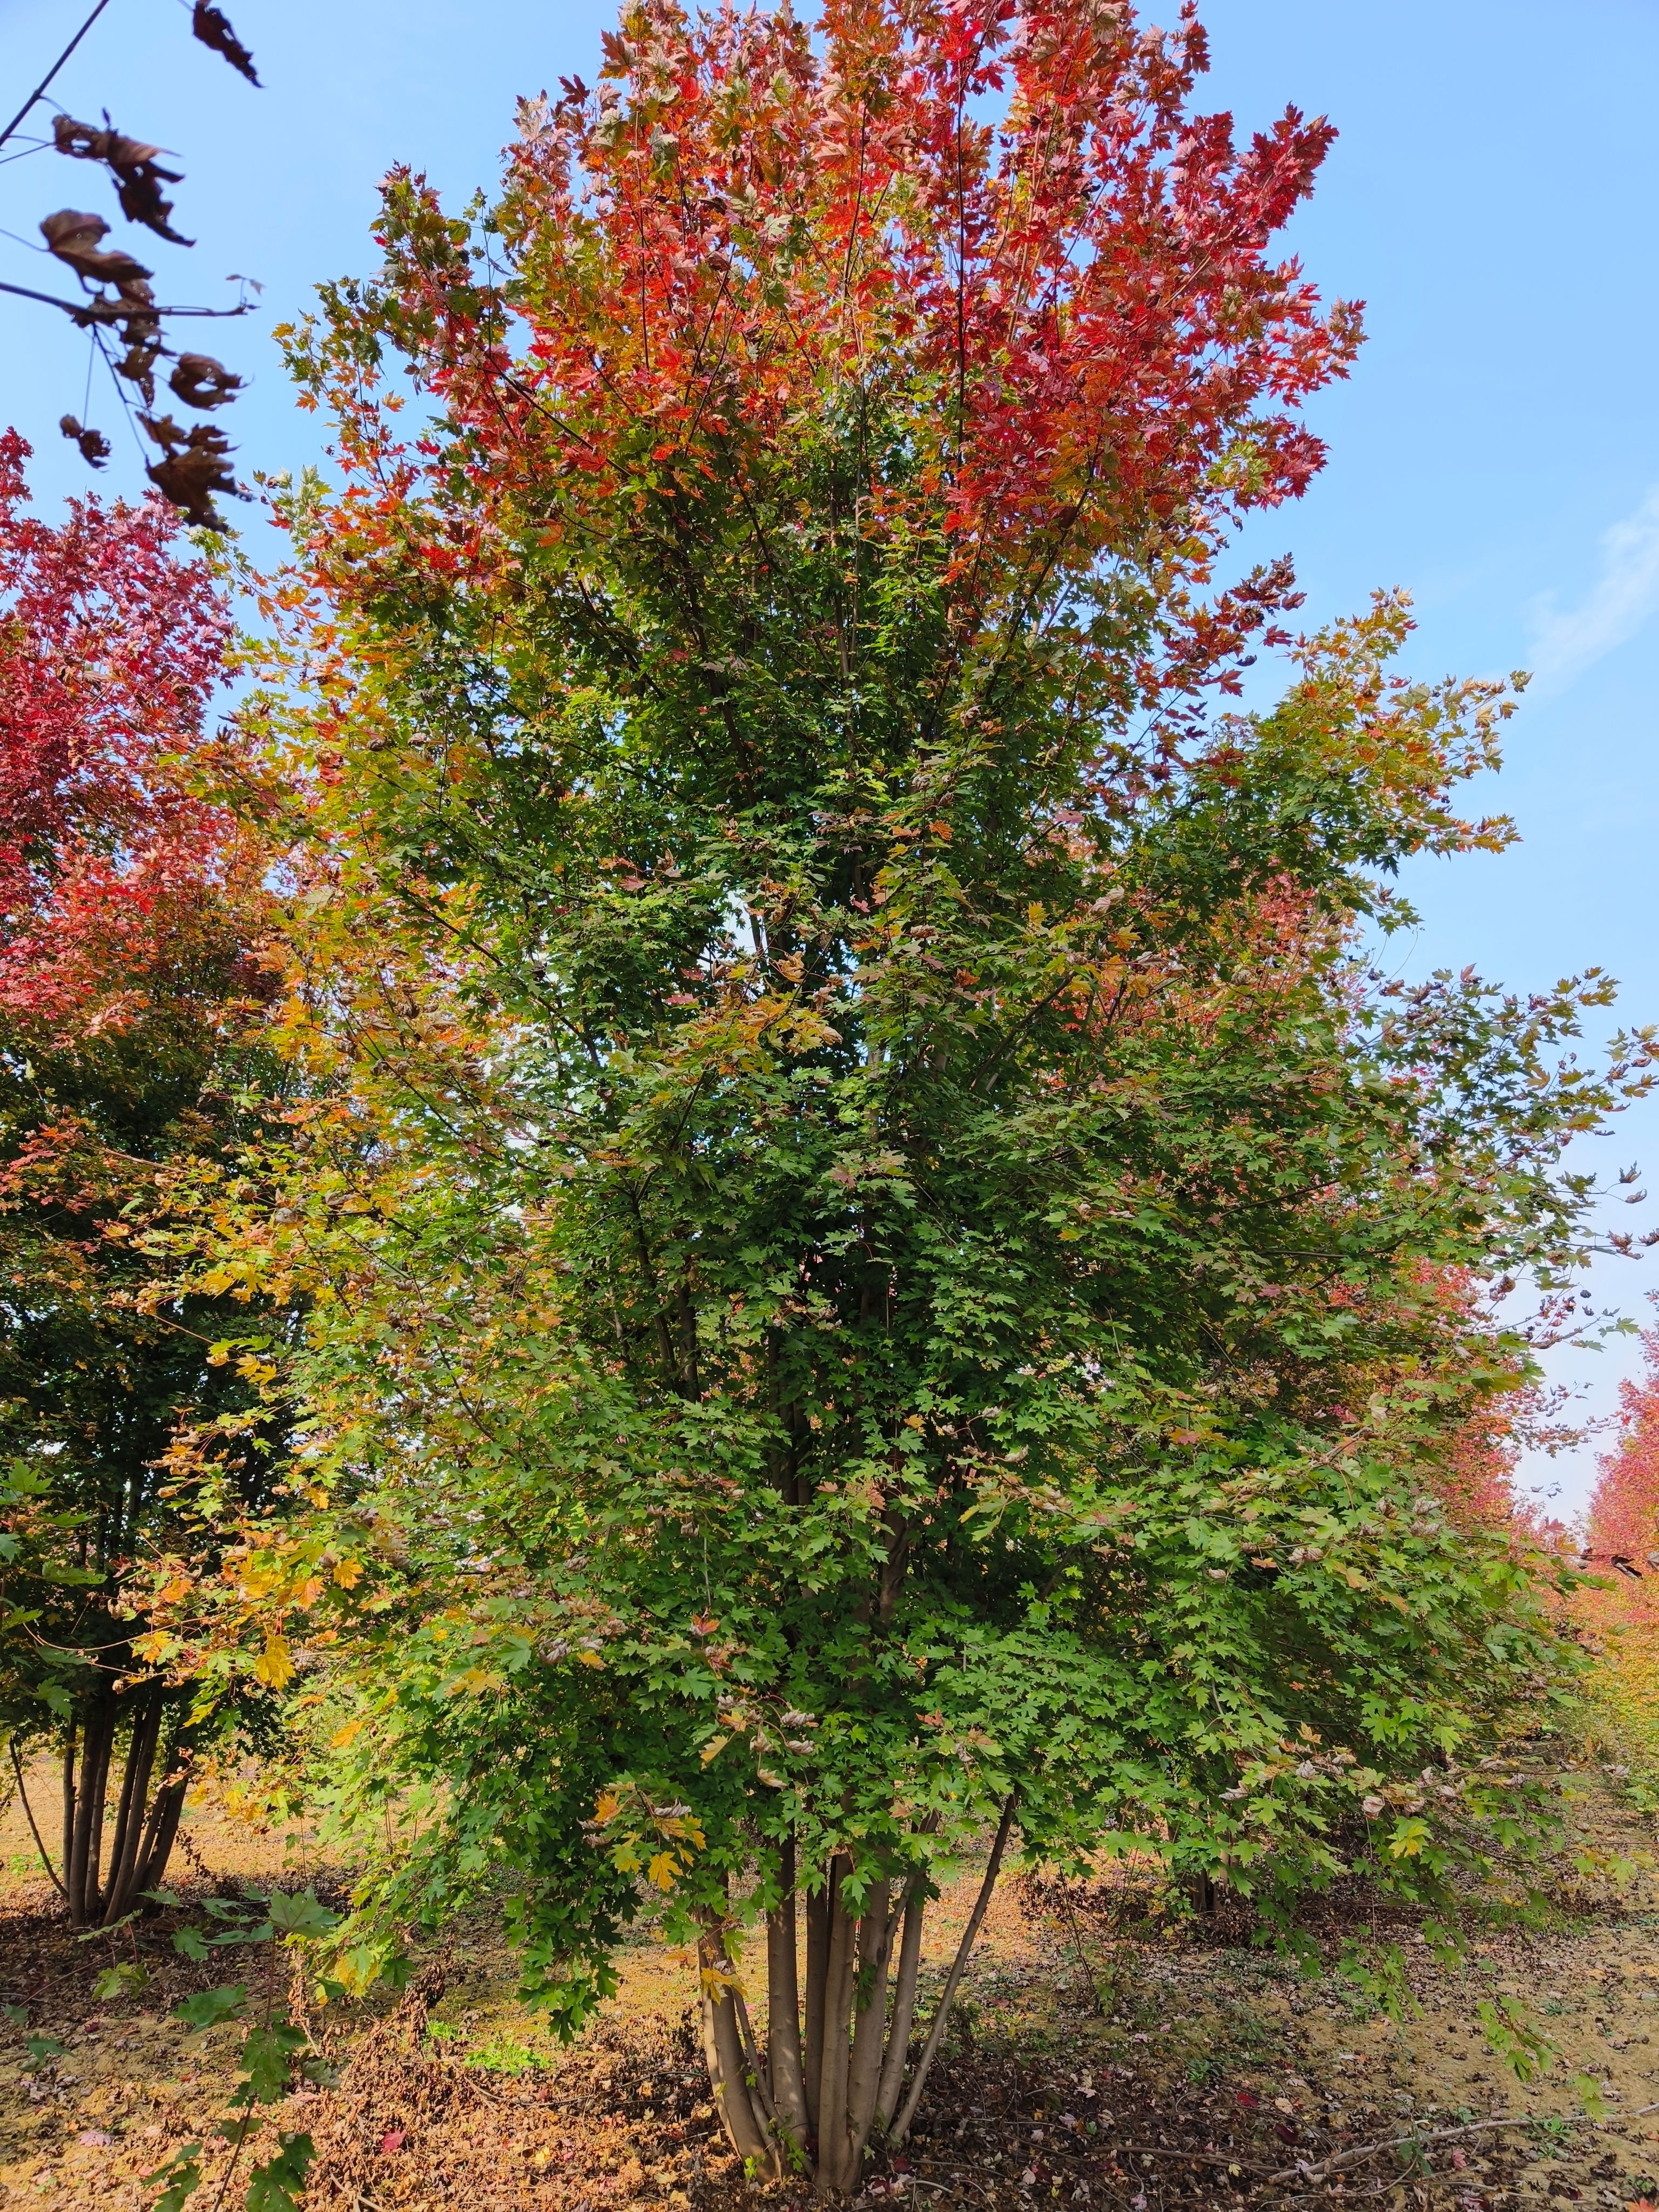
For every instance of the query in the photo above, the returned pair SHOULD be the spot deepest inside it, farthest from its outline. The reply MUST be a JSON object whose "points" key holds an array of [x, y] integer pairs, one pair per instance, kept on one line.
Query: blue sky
{"points": [[1493, 197]]}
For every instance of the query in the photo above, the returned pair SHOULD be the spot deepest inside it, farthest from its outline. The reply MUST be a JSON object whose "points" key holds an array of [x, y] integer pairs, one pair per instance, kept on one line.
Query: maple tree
{"points": [[1624, 1515], [127, 903], [876, 1259], [1618, 1601]]}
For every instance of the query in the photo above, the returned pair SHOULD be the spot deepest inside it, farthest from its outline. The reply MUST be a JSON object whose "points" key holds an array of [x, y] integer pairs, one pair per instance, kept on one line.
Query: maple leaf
{"points": [[274, 1665], [212, 26]]}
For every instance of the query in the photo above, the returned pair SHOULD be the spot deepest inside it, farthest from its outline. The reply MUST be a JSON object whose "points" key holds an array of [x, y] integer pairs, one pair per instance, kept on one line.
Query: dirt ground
{"points": [[1103, 2056]]}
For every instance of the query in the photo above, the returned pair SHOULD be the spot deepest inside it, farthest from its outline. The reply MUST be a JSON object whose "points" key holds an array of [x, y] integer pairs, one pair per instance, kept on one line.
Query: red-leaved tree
{"points": [[1624, 1515], [128, 908]]}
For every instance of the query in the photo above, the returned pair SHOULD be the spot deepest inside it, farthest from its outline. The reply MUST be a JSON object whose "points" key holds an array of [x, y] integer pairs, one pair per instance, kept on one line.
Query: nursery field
{"points": [[1104, 2054]]}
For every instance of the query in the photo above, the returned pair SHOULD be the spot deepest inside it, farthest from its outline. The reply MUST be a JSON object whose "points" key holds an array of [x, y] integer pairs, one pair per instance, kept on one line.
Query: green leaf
{"points": [[189, 1943], [300, 1917], [1590, 2095], [182, 2174], [275, 2185], [207, 2008], [266, 2056], [123, 1980], [1517, 2039]]}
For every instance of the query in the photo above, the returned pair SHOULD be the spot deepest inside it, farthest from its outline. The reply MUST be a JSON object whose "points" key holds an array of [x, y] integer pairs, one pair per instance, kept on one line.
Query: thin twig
{"points": [[924, 2062], [1347, 2158], [1082, 1954], [39, 90], [1231, 2159], [85, 312], [16, 1768]]}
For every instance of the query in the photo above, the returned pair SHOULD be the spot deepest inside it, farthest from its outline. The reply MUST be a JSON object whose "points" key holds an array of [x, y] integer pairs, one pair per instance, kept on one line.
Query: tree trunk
{"points": [[87, 1843], [71, 1739], [817, 1957], [869, 2024], [835, 2067], [837, 2021], [941, 2017], [723, 2054], [161, 1830], [124, 1851], [904, 2009], [144, 1828], [783, 2050]]}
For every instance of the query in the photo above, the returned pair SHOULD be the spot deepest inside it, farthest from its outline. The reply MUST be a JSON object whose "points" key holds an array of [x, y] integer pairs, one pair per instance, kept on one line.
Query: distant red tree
{"points": [[1624, 1514]]}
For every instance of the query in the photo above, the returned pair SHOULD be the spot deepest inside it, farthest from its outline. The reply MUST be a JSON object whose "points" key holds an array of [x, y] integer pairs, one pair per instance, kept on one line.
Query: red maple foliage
{"points": [[110, 647], [1043, 284]]}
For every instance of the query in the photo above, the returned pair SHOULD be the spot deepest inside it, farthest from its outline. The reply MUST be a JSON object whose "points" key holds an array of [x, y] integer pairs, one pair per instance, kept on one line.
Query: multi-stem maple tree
{"points": [[879, 1264], [127, 907]]}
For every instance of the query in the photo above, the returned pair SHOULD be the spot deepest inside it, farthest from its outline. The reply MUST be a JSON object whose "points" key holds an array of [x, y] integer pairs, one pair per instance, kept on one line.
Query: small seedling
{"points": [[274, 2053], [1515, 2039], [500, 2055], [122, 1981]]}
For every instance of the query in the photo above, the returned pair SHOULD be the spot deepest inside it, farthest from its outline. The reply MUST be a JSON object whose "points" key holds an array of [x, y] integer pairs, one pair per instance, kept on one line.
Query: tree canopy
{"points": [[881, 1266]]}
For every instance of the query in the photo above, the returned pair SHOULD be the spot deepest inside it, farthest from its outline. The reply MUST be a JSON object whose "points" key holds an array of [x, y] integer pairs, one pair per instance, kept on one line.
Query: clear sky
{"points": [[1493, 197]]}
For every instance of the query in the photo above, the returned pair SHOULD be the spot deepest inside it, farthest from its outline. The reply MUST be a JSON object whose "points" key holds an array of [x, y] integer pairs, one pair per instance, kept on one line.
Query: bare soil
{"points": [[1107, 2054]]}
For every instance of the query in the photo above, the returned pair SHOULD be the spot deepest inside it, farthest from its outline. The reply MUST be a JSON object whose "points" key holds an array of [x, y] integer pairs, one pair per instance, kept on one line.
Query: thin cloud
{"points": [[1623, 597]]}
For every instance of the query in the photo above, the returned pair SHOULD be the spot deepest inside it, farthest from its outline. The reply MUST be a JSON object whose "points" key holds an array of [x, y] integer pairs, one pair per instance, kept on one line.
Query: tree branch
{"points": [[28, 1811], [935, 2033], [39, 90]]}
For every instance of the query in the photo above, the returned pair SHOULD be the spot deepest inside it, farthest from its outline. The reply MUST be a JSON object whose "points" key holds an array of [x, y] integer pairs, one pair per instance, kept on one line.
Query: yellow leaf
{"points": [[590, 1659], [348, 1734], [607, 1805], [154, 1646], [274, 1667], [349, 1573], [661, 1871]]}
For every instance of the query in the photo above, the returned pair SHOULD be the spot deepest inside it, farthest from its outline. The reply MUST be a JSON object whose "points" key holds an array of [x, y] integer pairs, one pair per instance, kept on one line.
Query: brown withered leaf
{"points": [[212, 26], [73, 237], [95, 445], [139, 176], [201, 381], [86, 141], [194, 466], [137, 364]]}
